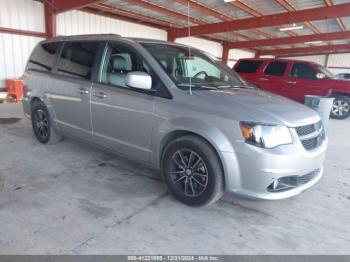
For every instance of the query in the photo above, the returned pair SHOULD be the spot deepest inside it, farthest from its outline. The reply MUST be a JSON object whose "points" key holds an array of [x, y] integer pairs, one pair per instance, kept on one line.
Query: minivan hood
{"points": [[255, 105]]}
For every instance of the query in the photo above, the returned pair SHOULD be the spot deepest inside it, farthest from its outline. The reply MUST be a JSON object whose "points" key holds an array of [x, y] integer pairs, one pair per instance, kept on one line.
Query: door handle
{"points": [[100, 95], [291, 82], [83, 91], [264, 79]]}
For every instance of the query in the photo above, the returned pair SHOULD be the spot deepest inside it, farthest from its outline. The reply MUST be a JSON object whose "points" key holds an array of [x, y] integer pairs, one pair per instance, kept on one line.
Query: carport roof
{"points": [[240, 23]]}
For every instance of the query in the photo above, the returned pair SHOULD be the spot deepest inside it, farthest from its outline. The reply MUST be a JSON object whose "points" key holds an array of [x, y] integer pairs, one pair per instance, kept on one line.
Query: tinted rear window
{"points": [[77, 59], [276, 69], [43, 57], [248, 66]]}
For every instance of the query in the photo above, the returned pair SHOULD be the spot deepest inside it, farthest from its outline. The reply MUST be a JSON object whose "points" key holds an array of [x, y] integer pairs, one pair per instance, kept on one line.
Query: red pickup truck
{"points": [[295, 79]]}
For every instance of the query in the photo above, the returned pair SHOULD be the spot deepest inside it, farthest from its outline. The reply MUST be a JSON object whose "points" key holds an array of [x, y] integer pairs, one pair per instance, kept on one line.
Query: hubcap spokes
{"points": [[189, 172], [41, 123], [340, 108]]}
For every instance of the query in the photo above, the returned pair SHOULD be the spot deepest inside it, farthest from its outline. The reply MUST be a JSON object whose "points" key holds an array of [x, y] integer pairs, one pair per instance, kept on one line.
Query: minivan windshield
{"points": [[325, 71], [188, 66]]}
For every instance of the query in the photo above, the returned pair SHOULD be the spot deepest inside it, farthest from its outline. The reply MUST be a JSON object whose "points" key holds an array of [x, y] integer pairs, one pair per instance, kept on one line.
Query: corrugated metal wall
{"points": [[339, 60], [211, 47], [14, 53], [319, 59], [14, 49], [22, 14], [77, 22], [236, 54]]}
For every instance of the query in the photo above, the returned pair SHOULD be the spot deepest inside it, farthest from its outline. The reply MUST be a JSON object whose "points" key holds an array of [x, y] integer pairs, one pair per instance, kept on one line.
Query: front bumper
{"points": [[253, 173], [284, 194]]}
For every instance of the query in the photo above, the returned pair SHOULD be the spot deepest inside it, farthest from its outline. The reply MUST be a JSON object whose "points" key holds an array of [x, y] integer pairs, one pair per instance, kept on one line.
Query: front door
{"points": [[302, 81], [122, 117], [272, 78], [71, 87]]}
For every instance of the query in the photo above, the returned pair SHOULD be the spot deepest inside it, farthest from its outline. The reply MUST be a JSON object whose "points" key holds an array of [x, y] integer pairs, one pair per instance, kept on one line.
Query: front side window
{"points": [[248, 66], [43, 57], [116, 64], [276, 69], [191, 67], [304, 71], [119, 60], [77, 59]]}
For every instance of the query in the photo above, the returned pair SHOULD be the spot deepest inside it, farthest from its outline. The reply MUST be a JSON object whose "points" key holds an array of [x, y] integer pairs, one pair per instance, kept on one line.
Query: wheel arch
{"points": [[177, 134], [52, 114], [181, 133], [208, 133], [334, 94], [34, 100]]}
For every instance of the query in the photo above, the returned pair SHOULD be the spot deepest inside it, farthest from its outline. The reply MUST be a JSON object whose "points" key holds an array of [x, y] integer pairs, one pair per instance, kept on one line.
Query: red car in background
{"points": [[295, 79]]}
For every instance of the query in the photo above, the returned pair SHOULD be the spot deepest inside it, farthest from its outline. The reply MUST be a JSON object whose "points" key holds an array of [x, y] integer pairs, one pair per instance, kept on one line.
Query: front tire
{"points": [[42, 125], [192, 171], [341, 107]]}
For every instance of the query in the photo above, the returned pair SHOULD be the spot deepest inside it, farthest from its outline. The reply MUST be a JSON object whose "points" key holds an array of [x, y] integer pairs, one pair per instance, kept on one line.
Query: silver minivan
{"points": [[177, 109]]}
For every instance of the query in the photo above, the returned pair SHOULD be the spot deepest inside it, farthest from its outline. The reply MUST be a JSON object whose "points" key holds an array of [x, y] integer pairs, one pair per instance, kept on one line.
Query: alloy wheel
{"points": [[340, 107], [41, 123], [189, 172]]}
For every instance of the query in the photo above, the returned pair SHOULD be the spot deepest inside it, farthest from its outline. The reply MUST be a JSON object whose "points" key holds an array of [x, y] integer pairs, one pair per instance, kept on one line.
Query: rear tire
{"points": [[42, 124], [192, 171], [341, 107]]}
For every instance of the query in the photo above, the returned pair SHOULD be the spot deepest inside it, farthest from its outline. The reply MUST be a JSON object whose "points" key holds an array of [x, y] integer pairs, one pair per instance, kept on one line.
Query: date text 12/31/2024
{"points": [[173, 258]]}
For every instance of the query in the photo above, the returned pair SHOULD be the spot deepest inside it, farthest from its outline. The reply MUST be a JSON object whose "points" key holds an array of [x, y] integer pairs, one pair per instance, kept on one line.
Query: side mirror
{"points": [[139, 80], [320, 76]]}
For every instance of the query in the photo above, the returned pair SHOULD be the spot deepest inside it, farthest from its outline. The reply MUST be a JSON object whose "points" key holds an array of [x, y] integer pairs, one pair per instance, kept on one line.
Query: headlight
{"points": [[264, 135]]}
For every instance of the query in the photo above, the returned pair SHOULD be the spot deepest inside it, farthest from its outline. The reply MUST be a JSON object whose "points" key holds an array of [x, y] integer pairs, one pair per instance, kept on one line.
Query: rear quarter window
{"points": [[248, 66], [43, 57]]}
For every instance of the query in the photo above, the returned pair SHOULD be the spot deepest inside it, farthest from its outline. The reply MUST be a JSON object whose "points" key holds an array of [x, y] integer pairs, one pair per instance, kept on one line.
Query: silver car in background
{"points": [[177, 109]]}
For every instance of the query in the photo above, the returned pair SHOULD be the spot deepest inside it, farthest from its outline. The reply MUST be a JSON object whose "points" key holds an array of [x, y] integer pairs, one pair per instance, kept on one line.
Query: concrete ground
{"points": [[70, 198]]}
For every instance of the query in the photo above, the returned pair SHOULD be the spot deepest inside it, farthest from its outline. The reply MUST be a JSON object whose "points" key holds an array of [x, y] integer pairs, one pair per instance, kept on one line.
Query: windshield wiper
{"points": [[209, 87], [230, 86], [214, 86], [239, 86], [197, 86], [222, 85]]}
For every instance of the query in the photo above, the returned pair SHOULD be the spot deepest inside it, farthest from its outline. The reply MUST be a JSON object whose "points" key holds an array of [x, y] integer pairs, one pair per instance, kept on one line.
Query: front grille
{"points": [[305, 130], [289, 182], [311, 143], [311, 136]]}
